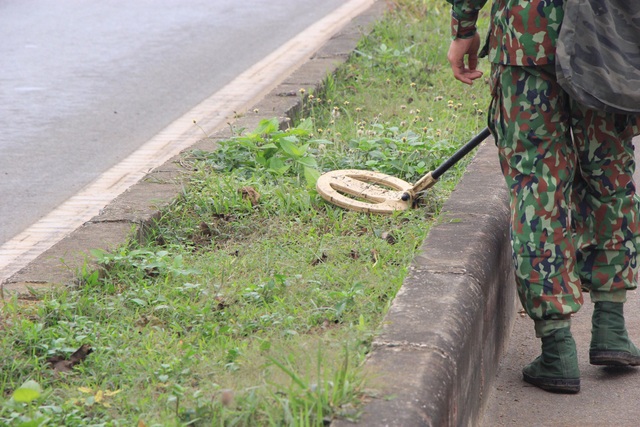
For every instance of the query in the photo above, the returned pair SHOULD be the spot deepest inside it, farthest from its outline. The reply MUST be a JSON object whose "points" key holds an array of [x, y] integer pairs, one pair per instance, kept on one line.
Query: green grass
{"points": [[238, 311]]}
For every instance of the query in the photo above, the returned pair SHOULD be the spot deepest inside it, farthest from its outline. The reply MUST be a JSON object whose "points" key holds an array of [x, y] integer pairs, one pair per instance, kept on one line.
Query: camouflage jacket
{"points": [[523, 32]]}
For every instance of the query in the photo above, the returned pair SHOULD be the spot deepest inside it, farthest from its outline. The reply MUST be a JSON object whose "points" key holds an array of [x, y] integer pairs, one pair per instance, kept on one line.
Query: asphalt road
{"points": [[83, 84]]}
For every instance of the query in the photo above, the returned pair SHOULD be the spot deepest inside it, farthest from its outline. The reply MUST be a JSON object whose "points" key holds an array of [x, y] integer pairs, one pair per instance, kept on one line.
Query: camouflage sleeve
{"points": [[464, 14]]}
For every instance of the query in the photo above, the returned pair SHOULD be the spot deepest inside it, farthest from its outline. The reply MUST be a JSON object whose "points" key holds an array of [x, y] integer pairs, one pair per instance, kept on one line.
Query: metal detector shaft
{"points": [[463, 151], [432, 177]]}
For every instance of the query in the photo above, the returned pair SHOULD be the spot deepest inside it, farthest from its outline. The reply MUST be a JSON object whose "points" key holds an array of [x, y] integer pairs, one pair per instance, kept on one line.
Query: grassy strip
{"points": [[254, 301]]}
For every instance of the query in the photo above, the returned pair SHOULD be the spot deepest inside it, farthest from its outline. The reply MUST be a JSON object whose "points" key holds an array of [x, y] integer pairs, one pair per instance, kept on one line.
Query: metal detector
{"points": [[375, 192]]}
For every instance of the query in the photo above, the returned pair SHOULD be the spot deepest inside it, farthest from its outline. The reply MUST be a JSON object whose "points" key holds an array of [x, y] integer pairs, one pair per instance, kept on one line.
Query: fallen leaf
{"points": [[59, 364], [81, 354], [251, 194], [389, 237]]}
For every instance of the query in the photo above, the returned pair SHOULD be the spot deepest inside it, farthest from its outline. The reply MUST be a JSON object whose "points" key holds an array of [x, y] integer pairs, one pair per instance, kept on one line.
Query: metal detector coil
{"points": [[375, 192]]}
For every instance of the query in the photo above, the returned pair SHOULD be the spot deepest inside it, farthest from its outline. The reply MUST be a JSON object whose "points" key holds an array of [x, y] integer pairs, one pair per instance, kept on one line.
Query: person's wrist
{"points": [[462, 27]]}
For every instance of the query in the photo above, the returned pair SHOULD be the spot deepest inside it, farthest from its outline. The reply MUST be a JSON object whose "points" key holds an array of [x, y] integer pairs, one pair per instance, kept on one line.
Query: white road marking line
{"points": [[213, 113]]}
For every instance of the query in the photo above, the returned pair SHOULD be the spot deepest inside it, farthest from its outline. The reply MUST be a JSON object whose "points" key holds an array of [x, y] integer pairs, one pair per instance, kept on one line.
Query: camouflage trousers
{"points": [[569, 170]]}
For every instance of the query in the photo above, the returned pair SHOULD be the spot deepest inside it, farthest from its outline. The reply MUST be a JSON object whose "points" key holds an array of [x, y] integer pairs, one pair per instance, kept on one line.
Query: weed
{"points": [[268, 150]]}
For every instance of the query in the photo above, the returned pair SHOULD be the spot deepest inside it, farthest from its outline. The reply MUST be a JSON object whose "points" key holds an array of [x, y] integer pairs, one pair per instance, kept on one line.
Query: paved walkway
{"points": [[608, 396]]}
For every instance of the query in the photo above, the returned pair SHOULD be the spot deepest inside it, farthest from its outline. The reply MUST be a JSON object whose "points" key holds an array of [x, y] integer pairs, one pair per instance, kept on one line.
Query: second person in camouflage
{"points": [[569, 170]]}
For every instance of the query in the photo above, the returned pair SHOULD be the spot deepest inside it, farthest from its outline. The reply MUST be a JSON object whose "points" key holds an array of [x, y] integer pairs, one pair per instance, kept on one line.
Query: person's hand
{"points": [[458, 50]]}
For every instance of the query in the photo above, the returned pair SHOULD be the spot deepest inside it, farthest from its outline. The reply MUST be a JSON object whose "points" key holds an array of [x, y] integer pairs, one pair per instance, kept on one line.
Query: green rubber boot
{"points": [[556, 369], [610, 343]]}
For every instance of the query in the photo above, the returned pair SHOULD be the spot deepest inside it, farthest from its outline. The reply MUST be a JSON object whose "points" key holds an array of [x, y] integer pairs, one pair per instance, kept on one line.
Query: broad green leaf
{"points": [[262, 160], [377, 154], [306, 125], [290, 138], [267, 126], [98, 253], [308, 161], [296, 132], [311, 175], [247, 142], [27, 392], [277, 166], [291, 149], [33, 423]]}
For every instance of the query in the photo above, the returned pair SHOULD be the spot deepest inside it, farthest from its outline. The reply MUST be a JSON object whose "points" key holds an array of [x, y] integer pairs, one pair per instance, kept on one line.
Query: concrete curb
{"points": [[444, 334], [435, 361]]}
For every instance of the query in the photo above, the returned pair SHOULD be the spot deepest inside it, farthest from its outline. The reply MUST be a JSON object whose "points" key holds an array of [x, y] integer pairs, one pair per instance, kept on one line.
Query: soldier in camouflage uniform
{"points": [[569, 170]]}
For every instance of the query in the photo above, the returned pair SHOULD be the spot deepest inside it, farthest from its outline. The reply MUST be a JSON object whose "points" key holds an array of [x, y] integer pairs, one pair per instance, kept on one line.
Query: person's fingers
{"points": [[465, 75], [468, 76], [473, 62], [457, 66], [472, 51], [473, 75]]}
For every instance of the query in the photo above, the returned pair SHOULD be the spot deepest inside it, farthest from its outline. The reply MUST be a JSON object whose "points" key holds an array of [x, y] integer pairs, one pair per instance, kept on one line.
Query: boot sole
{"points": [[613, 358], [555, 385]]}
